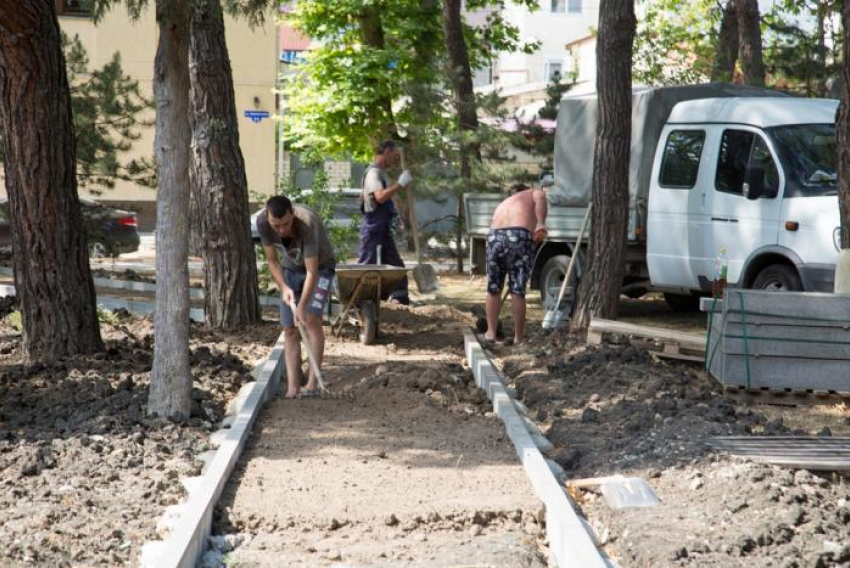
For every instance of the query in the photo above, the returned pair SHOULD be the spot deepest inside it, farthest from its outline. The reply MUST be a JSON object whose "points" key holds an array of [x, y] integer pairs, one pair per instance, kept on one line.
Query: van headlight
{"points": [[836, 238]]}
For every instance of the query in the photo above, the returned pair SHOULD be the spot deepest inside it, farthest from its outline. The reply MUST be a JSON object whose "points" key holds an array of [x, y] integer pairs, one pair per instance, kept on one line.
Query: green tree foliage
{"points": [[676, 42], [108, 110], [109, 114], [335, 104], [803, 45]]}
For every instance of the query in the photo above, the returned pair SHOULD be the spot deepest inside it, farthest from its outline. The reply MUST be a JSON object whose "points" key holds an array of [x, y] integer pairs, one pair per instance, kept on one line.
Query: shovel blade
{"points": [[426, 278], [629, 492]]}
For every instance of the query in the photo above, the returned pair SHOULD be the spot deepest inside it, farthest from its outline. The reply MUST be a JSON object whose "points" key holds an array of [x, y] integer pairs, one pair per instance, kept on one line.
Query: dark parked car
{"points": [[110, 232]]}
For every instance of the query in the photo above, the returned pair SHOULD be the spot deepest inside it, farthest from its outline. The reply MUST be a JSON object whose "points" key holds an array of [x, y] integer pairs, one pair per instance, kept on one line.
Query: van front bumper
{"points": [[818, 277]]}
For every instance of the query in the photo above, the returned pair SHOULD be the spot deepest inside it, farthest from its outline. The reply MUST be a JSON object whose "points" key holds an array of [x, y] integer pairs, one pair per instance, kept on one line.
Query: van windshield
{"points": [[808, 156]]}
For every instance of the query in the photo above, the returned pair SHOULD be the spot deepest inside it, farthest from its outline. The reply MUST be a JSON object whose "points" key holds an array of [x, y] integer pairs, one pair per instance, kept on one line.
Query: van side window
{"points": [[732, 160], [761, 158], [680, 165], [740, 150]]}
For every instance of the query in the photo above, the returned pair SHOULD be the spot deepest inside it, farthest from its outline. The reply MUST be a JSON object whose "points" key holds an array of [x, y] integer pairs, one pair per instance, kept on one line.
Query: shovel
{"points": [[424, 274], [311, 358], [556, 314]]}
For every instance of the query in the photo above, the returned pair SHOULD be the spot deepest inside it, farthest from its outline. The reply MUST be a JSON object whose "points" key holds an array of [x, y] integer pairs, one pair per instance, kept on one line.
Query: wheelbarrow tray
{"points": [[348, 276]]}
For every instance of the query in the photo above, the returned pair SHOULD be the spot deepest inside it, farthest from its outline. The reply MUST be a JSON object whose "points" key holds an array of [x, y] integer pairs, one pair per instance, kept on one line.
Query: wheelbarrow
{"points": [[362, 287]]}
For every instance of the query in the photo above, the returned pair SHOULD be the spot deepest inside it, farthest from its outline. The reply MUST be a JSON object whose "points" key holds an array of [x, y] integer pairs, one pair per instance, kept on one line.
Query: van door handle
{"points": [[724, 219]]}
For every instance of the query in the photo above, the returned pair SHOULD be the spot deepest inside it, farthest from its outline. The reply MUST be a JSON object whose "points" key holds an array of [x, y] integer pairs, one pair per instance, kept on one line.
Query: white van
{"points": [[755, 177]]}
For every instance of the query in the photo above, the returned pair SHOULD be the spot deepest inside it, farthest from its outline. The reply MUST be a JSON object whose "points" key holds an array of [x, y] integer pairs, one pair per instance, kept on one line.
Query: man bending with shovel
{"points": [[519, 223], [379, 213], [301, 261]]}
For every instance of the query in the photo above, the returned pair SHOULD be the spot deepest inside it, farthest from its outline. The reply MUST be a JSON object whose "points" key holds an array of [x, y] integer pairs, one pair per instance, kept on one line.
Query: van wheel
{"points": [[551, 279], [778, 278], [682, 302]]}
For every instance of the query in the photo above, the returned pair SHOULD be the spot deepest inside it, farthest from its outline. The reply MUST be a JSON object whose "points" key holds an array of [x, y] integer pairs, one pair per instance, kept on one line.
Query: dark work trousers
{"points": [[375, 230]]}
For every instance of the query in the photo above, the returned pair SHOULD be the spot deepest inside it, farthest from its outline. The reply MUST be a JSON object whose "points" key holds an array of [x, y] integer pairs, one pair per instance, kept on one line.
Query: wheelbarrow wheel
{"points": [[368, 323]]}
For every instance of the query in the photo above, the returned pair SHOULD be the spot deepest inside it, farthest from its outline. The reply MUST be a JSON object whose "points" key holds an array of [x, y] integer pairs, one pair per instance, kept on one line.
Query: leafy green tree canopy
{"points": [[336, 103]]}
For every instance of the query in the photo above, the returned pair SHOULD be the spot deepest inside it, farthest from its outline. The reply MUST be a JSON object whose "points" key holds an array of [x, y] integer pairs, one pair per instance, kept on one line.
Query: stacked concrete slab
{"points": [[780, 340]]}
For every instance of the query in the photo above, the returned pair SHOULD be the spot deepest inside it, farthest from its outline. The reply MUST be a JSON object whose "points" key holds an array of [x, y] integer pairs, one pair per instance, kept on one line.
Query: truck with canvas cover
{"points": [[711, 166]]}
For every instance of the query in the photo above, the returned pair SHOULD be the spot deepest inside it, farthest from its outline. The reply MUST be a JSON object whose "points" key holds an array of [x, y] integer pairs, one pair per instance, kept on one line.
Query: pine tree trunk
{"points": [[219, 184], [602, 279], [749, 30], [50, 256], [465, 105], [727, 46], [842, 129], [171, 379]]}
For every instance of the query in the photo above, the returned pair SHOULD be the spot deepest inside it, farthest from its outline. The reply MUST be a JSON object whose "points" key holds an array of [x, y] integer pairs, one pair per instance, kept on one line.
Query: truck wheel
{"points": [[551, 279], [778, 278], [368, 323], [682, 302]]}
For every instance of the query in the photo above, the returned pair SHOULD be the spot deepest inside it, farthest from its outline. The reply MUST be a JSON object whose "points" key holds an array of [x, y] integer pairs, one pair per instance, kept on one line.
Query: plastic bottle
{"points": [[721, 270]]}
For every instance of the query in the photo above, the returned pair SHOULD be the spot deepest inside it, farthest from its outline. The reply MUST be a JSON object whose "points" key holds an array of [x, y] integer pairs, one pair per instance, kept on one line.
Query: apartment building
{"points": [[253, 57], [554, 25]]}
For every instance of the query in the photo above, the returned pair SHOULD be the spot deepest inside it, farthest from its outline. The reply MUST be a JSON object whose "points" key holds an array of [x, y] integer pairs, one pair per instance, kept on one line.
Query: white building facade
{"points": [[554, 25]]}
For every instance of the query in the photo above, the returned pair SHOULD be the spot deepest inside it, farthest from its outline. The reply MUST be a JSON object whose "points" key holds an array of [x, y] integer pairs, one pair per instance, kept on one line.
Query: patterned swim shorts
{"points": [[510, 251]]}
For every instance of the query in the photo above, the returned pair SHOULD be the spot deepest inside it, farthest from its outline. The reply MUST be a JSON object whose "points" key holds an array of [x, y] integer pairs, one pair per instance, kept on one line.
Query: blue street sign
{"points": [[256, 115]]}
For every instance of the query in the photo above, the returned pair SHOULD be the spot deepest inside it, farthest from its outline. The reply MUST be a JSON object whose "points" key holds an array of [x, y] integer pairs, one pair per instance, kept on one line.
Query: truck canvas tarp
{"points": [[576, 133]]}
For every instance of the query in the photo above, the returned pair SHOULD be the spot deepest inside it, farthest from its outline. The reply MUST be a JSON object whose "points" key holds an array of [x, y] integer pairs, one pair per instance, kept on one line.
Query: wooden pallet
{"points": [[785, 397], [663, 342], [821, 453]]}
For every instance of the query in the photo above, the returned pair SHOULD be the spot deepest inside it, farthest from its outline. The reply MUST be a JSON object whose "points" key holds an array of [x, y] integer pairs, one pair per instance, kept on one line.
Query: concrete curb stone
{"points": [[570, 539]]}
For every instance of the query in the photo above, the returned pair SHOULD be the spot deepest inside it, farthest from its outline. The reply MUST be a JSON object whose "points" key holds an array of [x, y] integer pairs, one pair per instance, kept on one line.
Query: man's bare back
{"points": [[525, 209]]}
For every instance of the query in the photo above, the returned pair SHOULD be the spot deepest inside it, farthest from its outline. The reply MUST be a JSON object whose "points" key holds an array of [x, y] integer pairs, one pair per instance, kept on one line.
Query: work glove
{"points": [[405, 178]]}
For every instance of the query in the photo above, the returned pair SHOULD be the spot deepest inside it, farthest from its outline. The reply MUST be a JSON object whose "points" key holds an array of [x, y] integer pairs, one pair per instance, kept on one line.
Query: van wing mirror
{"points": [[753, 187]]}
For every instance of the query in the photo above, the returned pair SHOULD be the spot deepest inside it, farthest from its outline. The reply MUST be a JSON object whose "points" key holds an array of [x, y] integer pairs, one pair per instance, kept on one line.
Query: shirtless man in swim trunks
{"points": [[519, 223]]}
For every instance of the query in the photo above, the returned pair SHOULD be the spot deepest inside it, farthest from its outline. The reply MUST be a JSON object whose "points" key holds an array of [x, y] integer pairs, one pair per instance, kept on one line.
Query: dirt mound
{"points": [[90, 473], [615, 409], [423, 327], [448, 386]]}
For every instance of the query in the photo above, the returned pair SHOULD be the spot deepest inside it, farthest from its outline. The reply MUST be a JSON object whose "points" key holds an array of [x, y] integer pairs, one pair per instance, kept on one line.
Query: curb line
{"points": [[186, 543], [570, 541], [194, 292]]}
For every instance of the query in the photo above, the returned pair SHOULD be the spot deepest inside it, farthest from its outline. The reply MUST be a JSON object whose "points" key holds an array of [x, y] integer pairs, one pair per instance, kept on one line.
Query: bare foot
{"points": [[489, 337], [291, 393], [312, 384]]}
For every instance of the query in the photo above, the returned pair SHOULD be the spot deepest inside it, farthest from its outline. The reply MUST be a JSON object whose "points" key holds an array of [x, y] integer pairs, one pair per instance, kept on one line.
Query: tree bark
{"points": [[465, 105], [602, 278], [727, 46], [749, 30], [50, 255], [842, 129], [171, 379], [219, 184]]}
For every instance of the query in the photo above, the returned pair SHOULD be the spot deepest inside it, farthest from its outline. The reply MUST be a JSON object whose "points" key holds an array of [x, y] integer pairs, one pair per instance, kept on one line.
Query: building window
{"points": [[73, 7], [553, 71], [571, 6]]}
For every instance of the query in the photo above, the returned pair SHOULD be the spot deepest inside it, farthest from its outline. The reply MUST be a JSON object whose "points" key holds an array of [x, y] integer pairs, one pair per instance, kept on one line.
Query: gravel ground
{"points": [[85, 473], [618, 410], [414, 471]]}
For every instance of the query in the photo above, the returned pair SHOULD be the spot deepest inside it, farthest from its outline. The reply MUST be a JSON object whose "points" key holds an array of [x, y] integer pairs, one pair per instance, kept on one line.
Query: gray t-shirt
{"points": [[309, 238], [375, 179]]}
